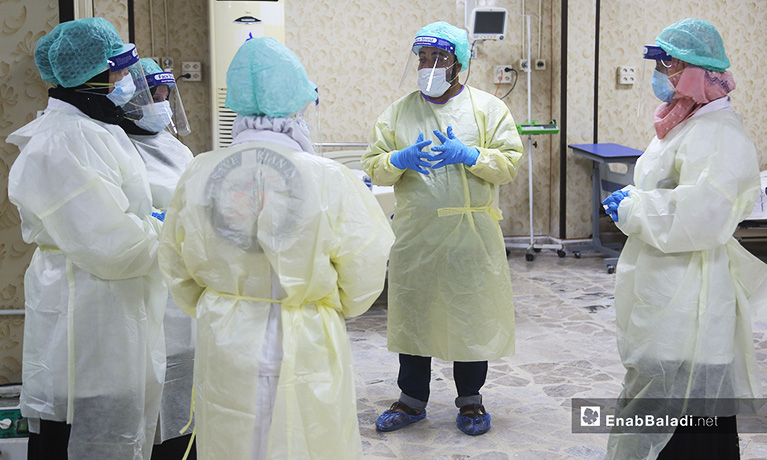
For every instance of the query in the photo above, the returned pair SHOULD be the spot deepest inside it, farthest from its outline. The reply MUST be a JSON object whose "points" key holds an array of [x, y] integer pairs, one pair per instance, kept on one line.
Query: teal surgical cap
{"points": [[266, 78], [696, 42], [149, 66], [76, 51], [444, 31]]}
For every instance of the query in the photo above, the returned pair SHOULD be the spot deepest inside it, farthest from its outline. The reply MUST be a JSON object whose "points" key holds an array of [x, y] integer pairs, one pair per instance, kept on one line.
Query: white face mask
{"points": [[156, 121], [123, 92], [439, 83]]}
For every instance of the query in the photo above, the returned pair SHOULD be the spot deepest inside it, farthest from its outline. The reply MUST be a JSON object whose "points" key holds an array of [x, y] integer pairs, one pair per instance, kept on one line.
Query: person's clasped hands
{"points": [[412, 156], [452, 150]]}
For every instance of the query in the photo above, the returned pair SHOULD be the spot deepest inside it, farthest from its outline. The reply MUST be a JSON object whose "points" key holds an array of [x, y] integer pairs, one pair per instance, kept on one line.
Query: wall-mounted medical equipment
{"points": [[232, 22], [487, 23]]}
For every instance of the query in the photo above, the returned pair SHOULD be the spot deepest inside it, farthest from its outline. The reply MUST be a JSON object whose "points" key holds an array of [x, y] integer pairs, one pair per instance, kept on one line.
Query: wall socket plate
{"points": [[165, 63], [627, 75], [523, 65], [501, 75], [540, 64], [194, 69]]}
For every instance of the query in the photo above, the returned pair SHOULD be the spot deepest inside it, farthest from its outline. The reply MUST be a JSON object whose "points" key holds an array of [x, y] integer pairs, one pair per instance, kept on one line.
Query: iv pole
{"points": [[532, 247]]}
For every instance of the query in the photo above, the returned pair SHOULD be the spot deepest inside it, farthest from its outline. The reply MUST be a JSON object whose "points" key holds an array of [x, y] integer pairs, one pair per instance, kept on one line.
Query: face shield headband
{"points": [[125, 59], [656, 53]]}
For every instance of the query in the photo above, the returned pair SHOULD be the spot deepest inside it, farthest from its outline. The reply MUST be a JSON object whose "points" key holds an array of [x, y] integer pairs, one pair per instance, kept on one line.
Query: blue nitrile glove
{"points": [[612, 202], [159, 216], [411, 157], [453, 150]]}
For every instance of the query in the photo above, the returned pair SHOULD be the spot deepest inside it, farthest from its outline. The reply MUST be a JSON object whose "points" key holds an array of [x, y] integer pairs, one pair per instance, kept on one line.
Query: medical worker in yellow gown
{"points": [[270, 247], [450, 293], [686, 291]]}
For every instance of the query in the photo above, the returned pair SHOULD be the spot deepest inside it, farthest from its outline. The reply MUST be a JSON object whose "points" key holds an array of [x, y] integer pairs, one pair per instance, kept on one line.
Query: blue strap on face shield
{"points": [[165, 78], [127, 58], [435, 42], [656, 53]]}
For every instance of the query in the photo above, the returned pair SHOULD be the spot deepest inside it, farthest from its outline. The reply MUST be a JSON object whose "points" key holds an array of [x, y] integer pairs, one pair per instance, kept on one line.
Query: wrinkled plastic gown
{"points": [[166, 159], [686, 291], [236, 215], [94, 294], [450, 292]]}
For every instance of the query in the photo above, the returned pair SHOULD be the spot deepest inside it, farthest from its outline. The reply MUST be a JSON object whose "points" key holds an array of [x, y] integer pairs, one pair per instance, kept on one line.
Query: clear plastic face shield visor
{"points": [[168, 106], [431, 66], [653, 87], [140, 105], [126, 78]]}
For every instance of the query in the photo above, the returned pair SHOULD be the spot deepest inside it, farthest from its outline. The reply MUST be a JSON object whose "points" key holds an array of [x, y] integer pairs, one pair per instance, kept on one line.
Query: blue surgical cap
{"points": [[442, 31], [696, 42], [76, 51], [266, 78]]}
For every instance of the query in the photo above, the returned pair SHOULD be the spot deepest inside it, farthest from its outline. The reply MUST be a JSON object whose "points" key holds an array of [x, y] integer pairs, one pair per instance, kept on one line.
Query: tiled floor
{"points": [[565, 348]]}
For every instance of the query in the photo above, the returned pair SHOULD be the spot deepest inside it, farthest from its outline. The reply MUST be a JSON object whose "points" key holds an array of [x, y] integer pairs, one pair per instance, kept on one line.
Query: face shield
{"points": [[654, 85], [126, 80], [129, 74], [170, 114], [432, 65]]}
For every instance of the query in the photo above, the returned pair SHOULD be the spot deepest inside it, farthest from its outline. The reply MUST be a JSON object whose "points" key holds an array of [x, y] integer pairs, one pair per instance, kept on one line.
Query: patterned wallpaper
{"points": [[22, 93], [116, 12], [356, 50], [580, 103]]}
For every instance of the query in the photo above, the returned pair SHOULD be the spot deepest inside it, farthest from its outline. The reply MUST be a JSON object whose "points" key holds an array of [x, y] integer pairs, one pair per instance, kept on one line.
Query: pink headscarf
{"points": [[694, 88]]}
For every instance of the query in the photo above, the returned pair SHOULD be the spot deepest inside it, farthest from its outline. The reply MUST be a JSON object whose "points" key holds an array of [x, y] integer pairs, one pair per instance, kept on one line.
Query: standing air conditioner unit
{"points": [[233, 22]]}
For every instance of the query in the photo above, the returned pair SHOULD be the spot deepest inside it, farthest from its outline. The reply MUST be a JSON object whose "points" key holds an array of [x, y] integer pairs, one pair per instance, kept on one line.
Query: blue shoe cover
{"points": [[474, 425], [391, 420]]}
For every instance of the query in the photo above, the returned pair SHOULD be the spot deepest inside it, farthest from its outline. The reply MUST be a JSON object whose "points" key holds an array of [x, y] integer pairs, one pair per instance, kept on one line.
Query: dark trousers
{"points": [[51, 443], [173, 449], [415, 375], [704, 443], [53, 440]]}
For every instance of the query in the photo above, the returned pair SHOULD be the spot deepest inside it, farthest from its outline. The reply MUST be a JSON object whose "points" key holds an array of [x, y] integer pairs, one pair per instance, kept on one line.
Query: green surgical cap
{"points": [[150, 66], [696, 42], [76, 51], [266, 78], [454, 35]]}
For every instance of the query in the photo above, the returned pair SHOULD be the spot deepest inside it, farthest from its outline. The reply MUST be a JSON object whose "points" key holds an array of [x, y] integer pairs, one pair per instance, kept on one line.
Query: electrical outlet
{"points": [[167, 64], [502, 74], [540, 64], [523, 65], [627, 75], [194, 69]]}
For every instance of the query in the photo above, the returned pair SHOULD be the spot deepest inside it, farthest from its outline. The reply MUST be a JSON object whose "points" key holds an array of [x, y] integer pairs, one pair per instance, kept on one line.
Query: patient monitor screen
{"points": [[489, 22]]}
